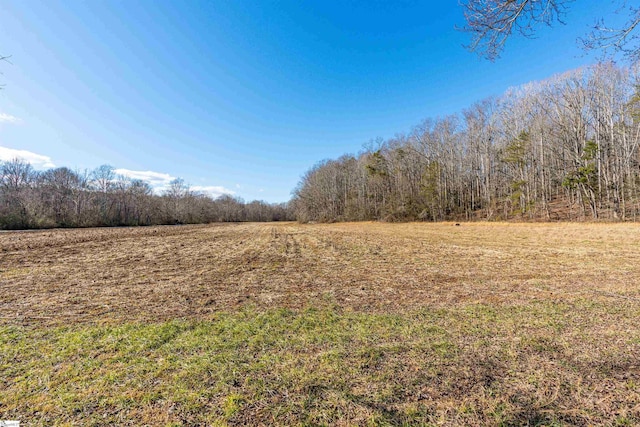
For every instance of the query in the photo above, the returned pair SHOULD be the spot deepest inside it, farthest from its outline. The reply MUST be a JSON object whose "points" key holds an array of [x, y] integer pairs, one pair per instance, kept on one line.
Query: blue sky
{"points": [[244, 96]]}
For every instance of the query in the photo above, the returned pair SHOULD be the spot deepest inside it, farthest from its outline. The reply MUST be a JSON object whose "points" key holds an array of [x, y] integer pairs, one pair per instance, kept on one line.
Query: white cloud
{"points": [[158, 180], [8, 118], [38, 161], [212, 190]]}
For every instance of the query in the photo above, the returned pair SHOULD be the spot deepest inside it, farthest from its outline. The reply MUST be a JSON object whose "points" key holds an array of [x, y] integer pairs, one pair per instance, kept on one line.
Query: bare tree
{"points": [[62, 194], [16, 178], [616, 39], [176, 196], [102, 183], [492, 22]]}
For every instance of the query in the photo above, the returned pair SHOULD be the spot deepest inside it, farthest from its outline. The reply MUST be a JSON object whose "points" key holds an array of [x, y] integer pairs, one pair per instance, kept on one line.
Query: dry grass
{"points": [[168, 272], [353, 324]]}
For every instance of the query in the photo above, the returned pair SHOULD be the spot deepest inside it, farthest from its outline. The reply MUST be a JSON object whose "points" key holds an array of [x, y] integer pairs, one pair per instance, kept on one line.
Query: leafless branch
{"points": [[492, 22], [611, 41], [6, 59]]}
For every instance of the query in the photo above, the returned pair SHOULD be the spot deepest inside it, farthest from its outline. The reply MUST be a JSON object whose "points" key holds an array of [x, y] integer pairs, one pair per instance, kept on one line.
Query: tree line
{"points": [[566, 148], [561, 149], [61, 197]]}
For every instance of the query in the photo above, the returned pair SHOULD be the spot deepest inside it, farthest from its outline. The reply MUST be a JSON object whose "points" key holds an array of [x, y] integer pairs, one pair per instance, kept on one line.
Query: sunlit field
{"points": [[338, 324]]}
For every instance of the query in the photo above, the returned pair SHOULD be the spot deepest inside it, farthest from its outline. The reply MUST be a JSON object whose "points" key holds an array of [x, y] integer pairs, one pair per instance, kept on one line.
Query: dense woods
{"points": [[61, 197], [561, 149]]}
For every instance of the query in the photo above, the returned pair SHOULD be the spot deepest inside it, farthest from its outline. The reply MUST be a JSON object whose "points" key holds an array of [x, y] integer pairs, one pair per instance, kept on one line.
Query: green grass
{"points": [[542, 364]]}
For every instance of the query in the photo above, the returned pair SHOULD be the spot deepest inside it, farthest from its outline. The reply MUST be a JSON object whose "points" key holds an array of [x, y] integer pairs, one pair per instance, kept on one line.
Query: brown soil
{"points": [[158, 273]]}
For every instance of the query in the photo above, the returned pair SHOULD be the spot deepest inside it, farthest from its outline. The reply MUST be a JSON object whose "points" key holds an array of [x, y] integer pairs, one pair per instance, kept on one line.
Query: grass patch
{"points": [[520, 365]]}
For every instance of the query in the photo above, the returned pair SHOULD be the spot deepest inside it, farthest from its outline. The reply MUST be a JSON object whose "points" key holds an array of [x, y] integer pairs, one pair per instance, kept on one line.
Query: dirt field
{"points": [[190, 271], [433, 324]]}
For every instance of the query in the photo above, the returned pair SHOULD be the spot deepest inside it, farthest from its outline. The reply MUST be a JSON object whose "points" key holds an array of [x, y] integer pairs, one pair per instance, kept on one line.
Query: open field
{"points": [[341, 324]]}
